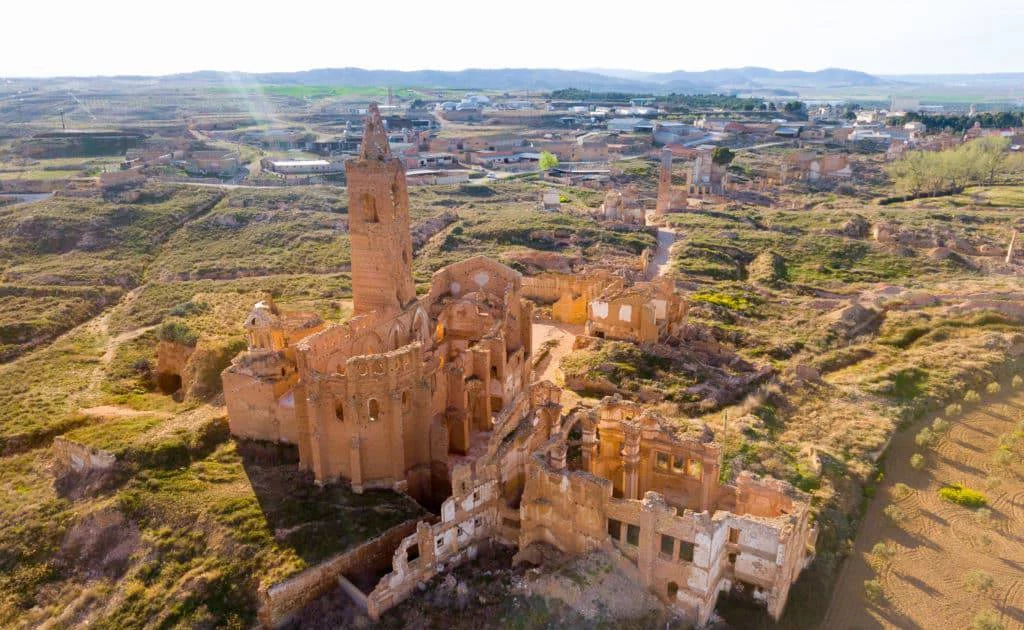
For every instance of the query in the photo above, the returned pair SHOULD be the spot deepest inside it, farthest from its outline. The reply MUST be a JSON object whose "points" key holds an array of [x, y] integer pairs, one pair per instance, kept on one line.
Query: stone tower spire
{"points": [[375, 138], [378, 217]]}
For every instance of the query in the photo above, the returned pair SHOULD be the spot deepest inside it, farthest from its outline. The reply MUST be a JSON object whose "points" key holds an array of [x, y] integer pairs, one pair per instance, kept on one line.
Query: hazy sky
{"points": [[90, 37]]}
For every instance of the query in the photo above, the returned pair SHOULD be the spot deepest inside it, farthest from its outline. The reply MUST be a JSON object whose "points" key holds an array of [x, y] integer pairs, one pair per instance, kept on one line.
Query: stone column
{"points": [[355, 465], [557, 456], [631, 460], [589, 449]]}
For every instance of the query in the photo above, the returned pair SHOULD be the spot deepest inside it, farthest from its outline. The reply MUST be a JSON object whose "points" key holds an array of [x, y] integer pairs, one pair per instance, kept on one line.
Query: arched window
{"points": [[339, 410], [374, 408], [406, 401]]}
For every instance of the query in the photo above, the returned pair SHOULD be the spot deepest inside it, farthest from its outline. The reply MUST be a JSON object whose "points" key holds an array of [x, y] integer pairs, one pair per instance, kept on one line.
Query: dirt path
{"points": [[939, 542], [659, 264], [563, 336], [113, 412]]}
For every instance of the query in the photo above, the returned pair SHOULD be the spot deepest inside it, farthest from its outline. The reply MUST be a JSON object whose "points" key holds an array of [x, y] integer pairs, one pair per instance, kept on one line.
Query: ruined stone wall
{"points": [[569, 293], [260, 409], [280, 601]]}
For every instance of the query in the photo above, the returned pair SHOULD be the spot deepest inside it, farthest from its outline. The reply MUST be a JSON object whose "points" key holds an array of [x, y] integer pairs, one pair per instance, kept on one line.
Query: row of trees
{"points": [[982, 161], [988, 120]]}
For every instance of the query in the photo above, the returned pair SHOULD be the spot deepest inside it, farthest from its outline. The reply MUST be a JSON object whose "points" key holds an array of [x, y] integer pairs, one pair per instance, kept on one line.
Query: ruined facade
{"points": [[707, 177]]}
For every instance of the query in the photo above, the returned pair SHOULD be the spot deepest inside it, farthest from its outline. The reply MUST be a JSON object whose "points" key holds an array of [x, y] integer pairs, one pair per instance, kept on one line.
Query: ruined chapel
{"points": [[431, 396]]}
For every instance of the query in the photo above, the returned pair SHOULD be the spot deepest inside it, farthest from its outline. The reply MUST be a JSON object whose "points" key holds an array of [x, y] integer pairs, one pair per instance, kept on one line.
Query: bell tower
{"points": [[378, 220]]}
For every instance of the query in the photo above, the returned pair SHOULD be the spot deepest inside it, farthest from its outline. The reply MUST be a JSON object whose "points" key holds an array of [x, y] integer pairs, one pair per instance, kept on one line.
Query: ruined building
{"points": [[431, 396], [623, 208], [610, 306], [387, 399]]}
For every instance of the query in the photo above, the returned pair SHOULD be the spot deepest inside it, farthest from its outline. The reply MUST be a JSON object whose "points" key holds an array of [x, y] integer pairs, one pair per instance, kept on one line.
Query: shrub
{"points": [[983, 515], [1017, 381], [901, 491], [895, 513], [987, 620], [939, 425], [883, 552], [971, 396], [961, 495], [1003, 457], [917, 461], [177, 332], [953, 410], [925, 438], [873, 591], [993, 388]]}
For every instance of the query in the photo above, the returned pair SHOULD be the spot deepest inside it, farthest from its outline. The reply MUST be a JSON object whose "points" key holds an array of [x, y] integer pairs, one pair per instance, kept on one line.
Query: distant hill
{"points": [[549, 79], [471, 79]]}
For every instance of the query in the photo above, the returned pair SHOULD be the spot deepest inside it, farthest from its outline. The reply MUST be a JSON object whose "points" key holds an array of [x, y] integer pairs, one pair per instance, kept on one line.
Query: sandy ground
{"points": [[940, 542]]}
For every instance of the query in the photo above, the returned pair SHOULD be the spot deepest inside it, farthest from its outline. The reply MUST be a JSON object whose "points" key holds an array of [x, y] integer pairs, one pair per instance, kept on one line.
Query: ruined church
{"points": [[431, 396]]}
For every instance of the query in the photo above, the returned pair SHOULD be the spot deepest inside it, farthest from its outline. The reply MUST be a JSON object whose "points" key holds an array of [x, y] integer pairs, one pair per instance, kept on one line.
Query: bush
{"points": [[925, 438], [993, 388], [894, 513], [987, 620], [883, 552], [901, 491], [873, 591], [939, 425], [983, 516], [961, 495], [971, 396], [953, 410], [917, 461], [1017, 381]]}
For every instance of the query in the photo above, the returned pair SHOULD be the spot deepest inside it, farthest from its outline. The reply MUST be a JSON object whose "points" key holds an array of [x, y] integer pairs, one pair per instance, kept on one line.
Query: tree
{"points": [[547, 161], [722, 155], [988, 155]]}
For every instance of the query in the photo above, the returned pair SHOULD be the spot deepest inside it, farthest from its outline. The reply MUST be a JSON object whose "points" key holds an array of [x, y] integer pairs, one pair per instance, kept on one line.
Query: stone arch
{"points": [[396, 337], [420, 330], [373, 409]]}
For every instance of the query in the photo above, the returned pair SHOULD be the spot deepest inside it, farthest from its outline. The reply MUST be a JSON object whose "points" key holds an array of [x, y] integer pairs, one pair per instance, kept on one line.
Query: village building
{"points": [[302, 167], [218, 163]]}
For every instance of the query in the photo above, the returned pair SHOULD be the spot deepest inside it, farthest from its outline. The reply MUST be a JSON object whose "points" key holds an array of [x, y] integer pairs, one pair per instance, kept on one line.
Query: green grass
{"points": [[40, 392]]}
